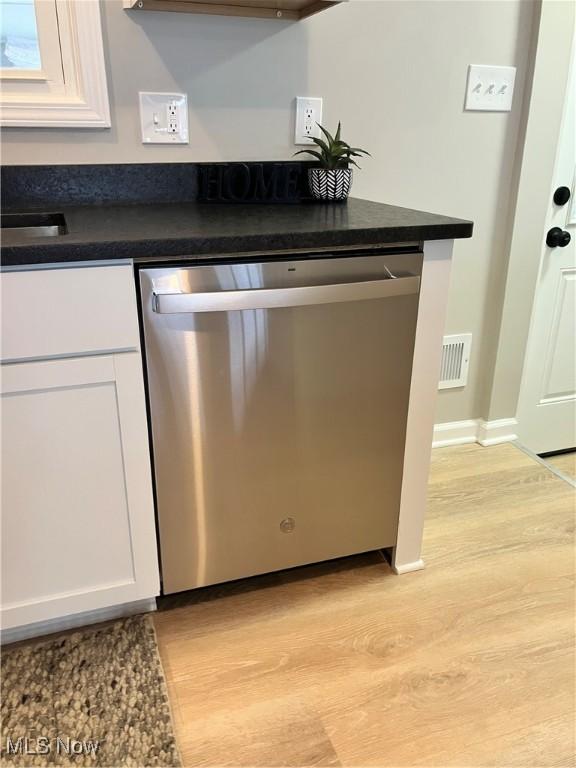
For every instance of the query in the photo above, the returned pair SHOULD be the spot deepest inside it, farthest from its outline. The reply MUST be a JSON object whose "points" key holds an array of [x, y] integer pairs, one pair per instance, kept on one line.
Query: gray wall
{"points": [[393, 72]]}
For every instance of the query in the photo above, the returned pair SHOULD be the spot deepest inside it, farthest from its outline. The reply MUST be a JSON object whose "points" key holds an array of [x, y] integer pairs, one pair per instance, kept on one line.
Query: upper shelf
{"points": [[290, 10]]}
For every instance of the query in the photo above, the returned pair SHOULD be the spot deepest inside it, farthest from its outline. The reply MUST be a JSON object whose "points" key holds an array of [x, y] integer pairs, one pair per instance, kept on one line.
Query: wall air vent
{"points": [[455, 359]]}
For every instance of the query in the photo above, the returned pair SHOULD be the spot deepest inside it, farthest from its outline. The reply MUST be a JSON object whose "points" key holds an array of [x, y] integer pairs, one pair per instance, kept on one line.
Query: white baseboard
{"points": [[475, 431], [499, 431], [39, 628], [455, 433]]}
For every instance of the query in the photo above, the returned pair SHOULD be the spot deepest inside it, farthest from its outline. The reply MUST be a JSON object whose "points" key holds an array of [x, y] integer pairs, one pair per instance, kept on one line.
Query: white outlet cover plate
{"points": [[490, 89], [158, 127], [308, 114]]}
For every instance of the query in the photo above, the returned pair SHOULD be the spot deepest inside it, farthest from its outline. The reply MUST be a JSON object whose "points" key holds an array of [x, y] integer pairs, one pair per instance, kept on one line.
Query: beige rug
{"points": [[96, 697]]}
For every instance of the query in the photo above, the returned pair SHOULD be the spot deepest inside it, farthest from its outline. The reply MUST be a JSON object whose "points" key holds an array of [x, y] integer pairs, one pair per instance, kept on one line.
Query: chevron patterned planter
{"points": [[330, 185]]}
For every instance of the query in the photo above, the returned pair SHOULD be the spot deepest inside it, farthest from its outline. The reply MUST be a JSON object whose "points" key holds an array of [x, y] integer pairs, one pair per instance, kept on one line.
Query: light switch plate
{"points": [[164, 118], [489, 88], [308, 115]]}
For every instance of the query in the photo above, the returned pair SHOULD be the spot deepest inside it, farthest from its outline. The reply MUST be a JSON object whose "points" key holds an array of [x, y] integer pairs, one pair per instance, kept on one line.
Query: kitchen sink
{"points": [[16, 226]]}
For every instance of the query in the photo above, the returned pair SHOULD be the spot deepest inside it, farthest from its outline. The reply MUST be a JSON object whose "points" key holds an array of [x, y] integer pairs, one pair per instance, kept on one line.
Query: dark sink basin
{"points": [[16, 226]]}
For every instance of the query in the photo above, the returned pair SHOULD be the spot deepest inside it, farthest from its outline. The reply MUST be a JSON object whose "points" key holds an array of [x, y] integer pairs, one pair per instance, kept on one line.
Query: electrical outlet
{"points": [[308, 115], [164, 118], [490, 89]]}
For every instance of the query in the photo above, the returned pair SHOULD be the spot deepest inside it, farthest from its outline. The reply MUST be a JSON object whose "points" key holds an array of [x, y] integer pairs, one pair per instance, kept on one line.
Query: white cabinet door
{"points": [[78, 530]]}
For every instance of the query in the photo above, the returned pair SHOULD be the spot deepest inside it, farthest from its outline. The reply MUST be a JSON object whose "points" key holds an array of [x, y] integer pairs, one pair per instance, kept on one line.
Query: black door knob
{"points": [[562, 195], [557, 237]]}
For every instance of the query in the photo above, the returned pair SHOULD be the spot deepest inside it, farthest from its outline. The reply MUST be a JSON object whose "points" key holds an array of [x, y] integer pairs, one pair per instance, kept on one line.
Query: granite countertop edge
{"points": [[145, 245], [204, 248]]}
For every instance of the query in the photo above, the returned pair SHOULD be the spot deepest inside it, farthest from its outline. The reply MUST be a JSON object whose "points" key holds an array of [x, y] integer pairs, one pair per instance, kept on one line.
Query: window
{"points": [[19, 46], [52, 64]]}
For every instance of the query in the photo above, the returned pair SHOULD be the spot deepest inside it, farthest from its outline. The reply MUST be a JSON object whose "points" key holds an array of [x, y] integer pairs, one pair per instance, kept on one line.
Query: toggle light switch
{"points": [[490, 88]]}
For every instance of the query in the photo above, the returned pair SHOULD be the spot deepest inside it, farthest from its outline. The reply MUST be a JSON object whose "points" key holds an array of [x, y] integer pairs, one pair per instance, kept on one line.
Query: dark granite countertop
{"points": [[149, 231]]}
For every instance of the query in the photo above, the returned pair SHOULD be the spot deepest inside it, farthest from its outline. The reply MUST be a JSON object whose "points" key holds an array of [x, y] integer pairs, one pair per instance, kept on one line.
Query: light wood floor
{"points": [[467, 663], [565, 462]]}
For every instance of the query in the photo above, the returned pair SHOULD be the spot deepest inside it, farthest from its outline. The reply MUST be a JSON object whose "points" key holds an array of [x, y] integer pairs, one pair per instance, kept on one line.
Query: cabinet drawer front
{"points": [[60, 312]]}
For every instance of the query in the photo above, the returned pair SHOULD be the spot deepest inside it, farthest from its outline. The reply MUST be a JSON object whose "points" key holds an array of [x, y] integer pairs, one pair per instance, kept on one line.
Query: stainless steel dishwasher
{"points": [[278, 395]]}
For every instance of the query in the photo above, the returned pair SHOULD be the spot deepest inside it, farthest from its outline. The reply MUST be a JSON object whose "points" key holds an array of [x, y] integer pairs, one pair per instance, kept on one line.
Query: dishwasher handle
{"points": [[271, 298]]}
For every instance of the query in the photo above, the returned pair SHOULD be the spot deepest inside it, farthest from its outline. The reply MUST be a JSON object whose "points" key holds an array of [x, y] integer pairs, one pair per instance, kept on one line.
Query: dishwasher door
{"points": [[278, 397]]}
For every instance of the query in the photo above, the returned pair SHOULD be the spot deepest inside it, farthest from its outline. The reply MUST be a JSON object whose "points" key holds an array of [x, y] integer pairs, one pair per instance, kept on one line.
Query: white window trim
{"points": [[84, 104]]}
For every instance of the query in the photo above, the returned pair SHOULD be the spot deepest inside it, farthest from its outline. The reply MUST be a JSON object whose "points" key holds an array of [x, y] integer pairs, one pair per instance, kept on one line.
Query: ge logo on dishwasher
{"points": [[287, 525]]}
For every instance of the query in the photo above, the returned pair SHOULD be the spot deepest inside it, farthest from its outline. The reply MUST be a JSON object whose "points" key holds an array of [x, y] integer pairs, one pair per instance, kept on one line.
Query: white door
{"points": [[77, 513], [547, 405]]}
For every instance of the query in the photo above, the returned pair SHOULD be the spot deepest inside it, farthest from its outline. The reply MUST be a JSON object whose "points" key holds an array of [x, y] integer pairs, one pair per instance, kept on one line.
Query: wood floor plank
{"points": [[467, 663], [546, 744], [565, 462], [473, 462], [273, 732]]}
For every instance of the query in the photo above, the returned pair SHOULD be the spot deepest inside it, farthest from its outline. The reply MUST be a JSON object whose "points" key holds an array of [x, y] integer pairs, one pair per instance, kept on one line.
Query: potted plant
{"points": [[332, 181]]}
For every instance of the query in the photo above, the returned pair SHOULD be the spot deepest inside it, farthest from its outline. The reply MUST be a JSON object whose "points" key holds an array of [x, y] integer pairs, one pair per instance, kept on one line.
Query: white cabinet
{"points": [[78, 531]]}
